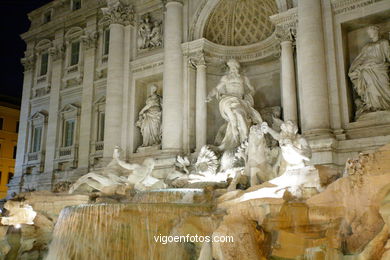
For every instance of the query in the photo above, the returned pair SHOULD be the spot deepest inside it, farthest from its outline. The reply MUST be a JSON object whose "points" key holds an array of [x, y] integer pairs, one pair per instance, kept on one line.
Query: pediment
{"points": [[70, 108], [74, 32], [40, 115], [43, 44]]}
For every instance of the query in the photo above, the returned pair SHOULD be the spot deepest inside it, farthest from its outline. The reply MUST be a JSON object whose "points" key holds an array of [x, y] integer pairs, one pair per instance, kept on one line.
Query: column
{"points": [[172, 131], [28, 63], [114, 92], [201, 105], [288, 86], [119, 15], [312, 70], [89, 46], [56, 54]]}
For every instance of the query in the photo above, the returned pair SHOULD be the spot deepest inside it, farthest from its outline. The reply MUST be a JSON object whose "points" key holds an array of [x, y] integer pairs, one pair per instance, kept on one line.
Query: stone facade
{"points": [[89, 70]]}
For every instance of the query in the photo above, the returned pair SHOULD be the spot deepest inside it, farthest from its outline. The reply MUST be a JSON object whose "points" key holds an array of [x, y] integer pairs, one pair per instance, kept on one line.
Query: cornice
{"points": [[60, 22], [288, 18], [344, 6], [254, 52]]}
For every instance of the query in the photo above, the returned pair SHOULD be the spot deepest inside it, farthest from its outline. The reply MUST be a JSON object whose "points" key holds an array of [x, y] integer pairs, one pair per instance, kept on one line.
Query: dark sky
{"points": [[13, 22]]}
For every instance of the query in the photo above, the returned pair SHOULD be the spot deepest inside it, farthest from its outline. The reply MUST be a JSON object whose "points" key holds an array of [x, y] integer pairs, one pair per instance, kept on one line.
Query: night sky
{"points": [[13, 22]]}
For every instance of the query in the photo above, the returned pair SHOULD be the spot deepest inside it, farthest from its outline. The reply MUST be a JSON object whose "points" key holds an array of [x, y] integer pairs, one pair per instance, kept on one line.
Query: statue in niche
{"points": [[150, 33], [235, 95], [149, 120], [369, 74]]}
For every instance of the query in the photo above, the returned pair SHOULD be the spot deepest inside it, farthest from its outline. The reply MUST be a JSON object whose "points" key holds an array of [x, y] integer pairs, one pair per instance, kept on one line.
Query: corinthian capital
{"points": [[57, 52], [89, 39], [118, 13], [28, 62], [197, 59], [285, 33]]}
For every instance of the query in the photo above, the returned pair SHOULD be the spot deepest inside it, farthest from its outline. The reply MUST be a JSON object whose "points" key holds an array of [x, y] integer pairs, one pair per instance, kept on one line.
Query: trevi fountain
{"points": [[265, 123]]}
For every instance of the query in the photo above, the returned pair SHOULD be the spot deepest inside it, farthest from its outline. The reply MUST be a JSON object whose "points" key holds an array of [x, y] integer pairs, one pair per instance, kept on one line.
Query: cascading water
{"points": [[128, 230]]}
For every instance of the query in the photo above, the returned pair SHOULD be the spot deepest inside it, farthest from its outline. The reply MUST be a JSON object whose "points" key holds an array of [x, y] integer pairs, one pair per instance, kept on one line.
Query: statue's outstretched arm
{"points": [[215, 92], [266, 129], [127, 166]]}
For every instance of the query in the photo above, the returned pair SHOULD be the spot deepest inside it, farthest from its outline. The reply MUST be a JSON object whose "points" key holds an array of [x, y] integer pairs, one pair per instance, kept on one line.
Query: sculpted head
{"points": [[373, 32], [289, 127], [233, 65], [153, 89]]}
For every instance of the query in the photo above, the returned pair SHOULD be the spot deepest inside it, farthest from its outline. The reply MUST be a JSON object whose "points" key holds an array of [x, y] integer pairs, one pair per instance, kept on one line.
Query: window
{"points": [[76, 4], [44, 64], [10, 175], [101, 121], [1, 176], [47, 17], [14, 153], [74, 53], [69, 131], [17, 127], [1, 123], [106, 44], [37, 136]]}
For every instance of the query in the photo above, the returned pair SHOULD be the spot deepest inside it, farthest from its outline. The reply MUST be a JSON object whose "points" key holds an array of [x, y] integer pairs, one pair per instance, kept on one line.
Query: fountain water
{"points": [[131, 230]]}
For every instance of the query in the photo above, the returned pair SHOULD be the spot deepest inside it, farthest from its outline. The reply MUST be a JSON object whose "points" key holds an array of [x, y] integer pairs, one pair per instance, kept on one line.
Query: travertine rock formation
{"points": [[347, 218]]}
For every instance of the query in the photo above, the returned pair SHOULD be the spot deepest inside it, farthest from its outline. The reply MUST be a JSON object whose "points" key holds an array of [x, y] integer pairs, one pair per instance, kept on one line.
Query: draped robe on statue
{"points": [[369, 73], [234, 93], [149, 121]]}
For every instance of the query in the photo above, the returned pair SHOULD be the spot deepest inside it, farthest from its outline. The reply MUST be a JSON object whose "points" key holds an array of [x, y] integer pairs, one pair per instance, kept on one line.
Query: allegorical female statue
{"points": [[235, 95], [369, 73], [149, 120]]}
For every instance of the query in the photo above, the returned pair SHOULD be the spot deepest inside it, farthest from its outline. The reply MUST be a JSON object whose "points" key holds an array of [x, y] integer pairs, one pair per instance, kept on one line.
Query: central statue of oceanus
{"points": [[235, 95]]}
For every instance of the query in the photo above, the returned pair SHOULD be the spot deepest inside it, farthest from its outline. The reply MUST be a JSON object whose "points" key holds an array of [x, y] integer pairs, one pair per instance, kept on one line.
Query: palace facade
{"points": [[90, 66]]}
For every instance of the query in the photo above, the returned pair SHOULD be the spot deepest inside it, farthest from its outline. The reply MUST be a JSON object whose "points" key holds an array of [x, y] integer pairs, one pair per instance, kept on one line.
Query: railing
{"points": [[72, 69], [104, 59], [42, 79], [41, 92], [33, 156], [65, 151]]}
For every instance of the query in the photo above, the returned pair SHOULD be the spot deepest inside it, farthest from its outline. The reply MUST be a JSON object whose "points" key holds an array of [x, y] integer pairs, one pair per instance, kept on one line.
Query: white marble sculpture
{"points": [[156, 35], [295, 148], [369, 73], [298, 180], [149, 120], [19, 213], [141, 175], [118, 175], [235, 95], [149, 33], [257, 166]]}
